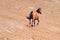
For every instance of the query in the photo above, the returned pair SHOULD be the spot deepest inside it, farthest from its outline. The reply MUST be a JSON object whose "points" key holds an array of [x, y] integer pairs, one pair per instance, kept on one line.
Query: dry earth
{"points": [[13, 22]]}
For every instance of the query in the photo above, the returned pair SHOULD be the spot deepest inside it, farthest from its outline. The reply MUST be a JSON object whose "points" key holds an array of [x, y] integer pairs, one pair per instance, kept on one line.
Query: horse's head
{"points": [[39, 10]]}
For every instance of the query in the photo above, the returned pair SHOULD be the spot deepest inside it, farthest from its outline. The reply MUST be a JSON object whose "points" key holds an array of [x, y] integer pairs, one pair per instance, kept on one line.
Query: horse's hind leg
{"points": [[32, 23], [38, 22]]}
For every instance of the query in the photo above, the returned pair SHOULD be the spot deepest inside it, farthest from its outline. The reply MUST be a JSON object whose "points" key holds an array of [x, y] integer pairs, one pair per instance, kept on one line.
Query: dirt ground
{"points": [[13, 22]]}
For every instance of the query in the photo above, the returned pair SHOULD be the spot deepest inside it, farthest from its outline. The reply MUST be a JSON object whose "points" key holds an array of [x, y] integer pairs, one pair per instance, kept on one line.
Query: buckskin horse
{"points": [[34, 15]]}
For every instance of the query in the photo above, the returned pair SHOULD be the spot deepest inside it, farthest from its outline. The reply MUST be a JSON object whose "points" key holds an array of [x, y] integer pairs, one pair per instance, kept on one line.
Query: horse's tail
{"points": [[28, 17]]}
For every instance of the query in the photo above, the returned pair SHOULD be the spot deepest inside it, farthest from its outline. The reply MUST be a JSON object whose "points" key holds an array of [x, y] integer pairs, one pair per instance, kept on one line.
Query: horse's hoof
{"points": [[31, 25]]}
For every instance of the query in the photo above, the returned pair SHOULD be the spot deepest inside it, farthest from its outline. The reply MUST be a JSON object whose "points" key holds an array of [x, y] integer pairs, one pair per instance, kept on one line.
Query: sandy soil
{"points": [[13, 22]]}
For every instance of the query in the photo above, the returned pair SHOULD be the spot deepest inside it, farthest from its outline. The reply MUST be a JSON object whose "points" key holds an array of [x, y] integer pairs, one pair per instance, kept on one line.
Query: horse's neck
{"points": [[35, 13]]}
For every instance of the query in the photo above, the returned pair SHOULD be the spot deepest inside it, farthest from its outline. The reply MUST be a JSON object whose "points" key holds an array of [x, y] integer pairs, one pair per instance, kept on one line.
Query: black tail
{"points": [[28, 17]]}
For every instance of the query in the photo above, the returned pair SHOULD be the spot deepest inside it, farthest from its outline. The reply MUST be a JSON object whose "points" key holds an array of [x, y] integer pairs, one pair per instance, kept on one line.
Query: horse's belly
{"points": [[36, 17]]}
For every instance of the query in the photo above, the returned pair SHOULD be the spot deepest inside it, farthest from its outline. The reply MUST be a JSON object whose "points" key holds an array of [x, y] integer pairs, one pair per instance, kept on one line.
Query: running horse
{"points": [[34, 15]]}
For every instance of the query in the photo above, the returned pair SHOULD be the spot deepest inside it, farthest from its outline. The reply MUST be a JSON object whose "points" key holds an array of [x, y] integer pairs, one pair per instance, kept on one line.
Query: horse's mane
{"points": [[38, 10]]}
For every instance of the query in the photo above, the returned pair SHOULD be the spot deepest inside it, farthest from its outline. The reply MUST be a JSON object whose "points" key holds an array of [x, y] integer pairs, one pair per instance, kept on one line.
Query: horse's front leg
{"points": [[38, 22]]}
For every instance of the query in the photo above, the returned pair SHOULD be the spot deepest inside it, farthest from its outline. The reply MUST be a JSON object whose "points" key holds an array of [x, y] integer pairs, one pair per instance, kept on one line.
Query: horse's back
{"points": [[35, 15]]}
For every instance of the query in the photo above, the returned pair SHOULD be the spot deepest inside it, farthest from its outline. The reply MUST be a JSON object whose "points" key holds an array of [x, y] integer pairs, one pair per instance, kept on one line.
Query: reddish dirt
{"points": [[13, 22]]}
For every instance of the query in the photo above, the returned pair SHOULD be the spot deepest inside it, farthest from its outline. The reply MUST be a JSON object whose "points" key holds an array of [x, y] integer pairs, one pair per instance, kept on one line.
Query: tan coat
{"points": [[35, 15]]}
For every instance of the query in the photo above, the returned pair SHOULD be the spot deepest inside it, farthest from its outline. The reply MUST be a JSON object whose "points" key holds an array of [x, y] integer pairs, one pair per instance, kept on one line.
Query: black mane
{"points": [[38, 10]]}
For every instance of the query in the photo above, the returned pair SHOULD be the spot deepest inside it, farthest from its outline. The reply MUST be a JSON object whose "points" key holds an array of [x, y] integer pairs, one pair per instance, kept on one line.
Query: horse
{"points": [[34, 15]]}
